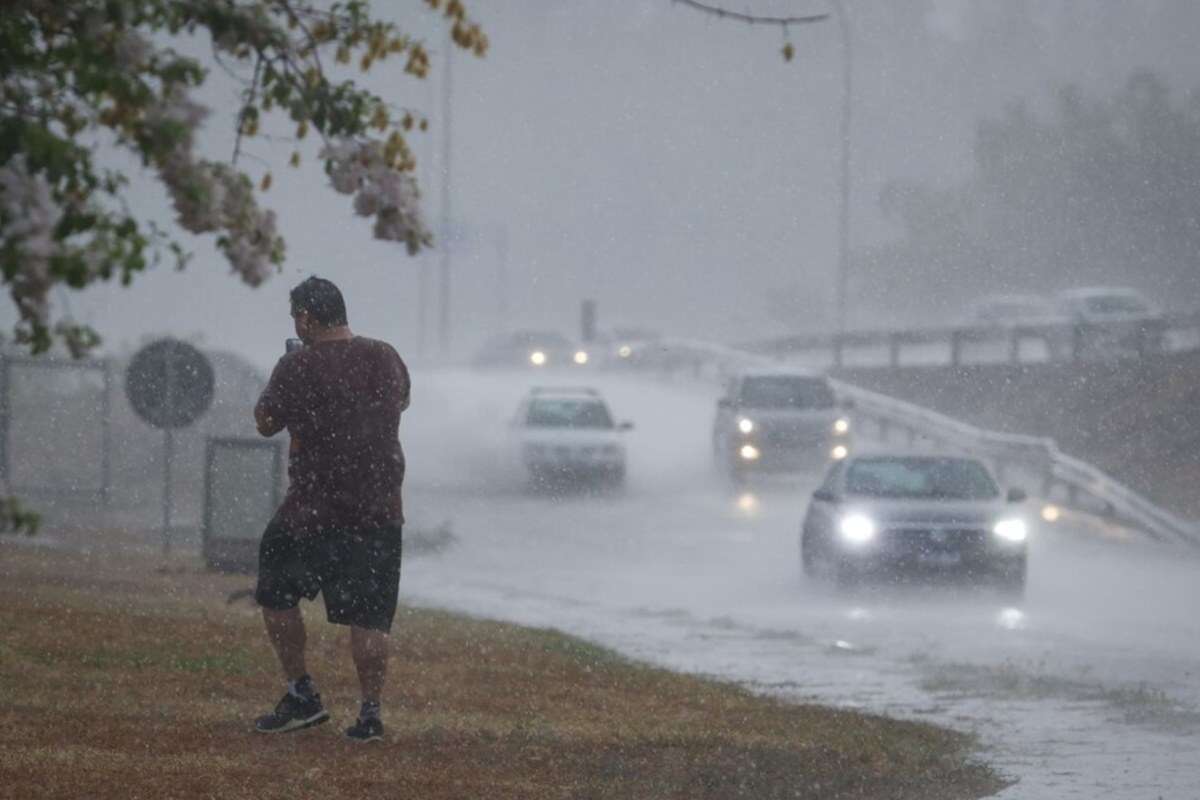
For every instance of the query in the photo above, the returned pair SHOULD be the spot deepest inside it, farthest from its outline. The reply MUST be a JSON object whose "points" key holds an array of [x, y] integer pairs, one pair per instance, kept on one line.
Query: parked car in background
{"points": [[1014, 310], [622, 344], [1028, 316], [567, 435], [771, 420], [1113, 321], [889, 514], [535, 349]]}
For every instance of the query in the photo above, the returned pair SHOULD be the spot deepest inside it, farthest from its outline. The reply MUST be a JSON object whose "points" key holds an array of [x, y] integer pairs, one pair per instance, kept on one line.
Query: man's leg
{"points": [[282, 581], [370, 650], [286, 631], [372, 583]]}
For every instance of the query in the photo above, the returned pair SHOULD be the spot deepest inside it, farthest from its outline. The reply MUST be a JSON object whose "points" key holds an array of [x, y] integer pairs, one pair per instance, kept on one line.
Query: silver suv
{"points": [[779, 420]]}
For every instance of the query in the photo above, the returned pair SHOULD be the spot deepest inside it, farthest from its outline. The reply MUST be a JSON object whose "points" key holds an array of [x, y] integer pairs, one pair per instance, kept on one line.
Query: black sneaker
{"points": [[292, 714], [366, 730]]}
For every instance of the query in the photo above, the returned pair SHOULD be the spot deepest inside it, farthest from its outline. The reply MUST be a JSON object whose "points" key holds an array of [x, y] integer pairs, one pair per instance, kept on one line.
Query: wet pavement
{"points": [[1088, 687]]}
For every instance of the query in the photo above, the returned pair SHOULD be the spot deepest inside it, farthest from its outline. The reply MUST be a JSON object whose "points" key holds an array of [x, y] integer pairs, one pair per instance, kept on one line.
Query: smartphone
{"points": [[292, 345]]}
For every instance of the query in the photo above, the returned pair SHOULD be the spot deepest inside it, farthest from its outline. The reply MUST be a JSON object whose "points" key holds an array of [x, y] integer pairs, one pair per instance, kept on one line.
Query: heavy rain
{"points": [[816, 355]]}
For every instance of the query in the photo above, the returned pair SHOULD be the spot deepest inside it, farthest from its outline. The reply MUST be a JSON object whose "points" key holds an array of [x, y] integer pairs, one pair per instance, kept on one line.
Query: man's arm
{"points": [[267, 425], [397, 386], [404, 383], [270, 412]]}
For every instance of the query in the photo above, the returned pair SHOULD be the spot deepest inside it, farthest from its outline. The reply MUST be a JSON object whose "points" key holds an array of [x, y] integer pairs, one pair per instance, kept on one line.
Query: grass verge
{"points": [[123, 677]]}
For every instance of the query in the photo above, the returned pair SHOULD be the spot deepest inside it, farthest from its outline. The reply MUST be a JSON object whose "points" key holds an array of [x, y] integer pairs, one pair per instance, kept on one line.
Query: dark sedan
{"points": [[889, 514]]}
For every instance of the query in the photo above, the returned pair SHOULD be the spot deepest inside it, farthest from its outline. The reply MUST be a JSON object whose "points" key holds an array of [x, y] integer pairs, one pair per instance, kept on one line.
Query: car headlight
{"points": [[581, 357], [839, 452], [749, 452], [857, 528], [1011, 530], [841, 426], [537, 358], [745, 425]]}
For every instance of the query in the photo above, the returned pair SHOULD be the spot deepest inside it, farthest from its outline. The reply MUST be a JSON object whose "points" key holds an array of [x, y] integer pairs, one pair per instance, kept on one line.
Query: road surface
{"points": [[1088, 688]]}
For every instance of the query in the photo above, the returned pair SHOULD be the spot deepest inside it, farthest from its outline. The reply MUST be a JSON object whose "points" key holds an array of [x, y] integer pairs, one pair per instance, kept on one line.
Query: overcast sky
{"points": [[667, 164]]}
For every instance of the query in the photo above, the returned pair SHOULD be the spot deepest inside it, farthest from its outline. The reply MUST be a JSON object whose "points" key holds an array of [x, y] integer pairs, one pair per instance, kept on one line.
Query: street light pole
{"points": [[444, 318], [843, 265], [425, 260]]}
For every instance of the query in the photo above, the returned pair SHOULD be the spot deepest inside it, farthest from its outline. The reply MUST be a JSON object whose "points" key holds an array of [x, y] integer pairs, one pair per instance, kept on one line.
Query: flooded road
{"points": [[1089, 687]]}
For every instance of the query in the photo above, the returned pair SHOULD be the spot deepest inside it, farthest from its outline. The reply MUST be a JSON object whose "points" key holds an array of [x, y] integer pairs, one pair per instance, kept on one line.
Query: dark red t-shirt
{"points": [[340, 401]]}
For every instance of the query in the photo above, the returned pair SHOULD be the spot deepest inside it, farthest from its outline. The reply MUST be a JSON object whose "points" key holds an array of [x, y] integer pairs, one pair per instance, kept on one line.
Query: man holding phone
{"points": [[338, 530]]}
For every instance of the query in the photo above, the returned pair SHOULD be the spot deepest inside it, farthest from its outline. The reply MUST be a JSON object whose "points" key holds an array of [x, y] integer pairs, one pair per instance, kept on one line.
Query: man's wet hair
{"points": [[321, 300]]}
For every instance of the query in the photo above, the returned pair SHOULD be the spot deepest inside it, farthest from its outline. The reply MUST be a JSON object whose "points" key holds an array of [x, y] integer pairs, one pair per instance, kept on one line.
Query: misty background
{"points": [[676, 169]]}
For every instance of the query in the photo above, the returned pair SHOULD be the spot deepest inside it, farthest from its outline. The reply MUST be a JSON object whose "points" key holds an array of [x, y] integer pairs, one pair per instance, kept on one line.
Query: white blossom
{"points": [[29, 215], [28, 209], [210, 197], [380, 191]]}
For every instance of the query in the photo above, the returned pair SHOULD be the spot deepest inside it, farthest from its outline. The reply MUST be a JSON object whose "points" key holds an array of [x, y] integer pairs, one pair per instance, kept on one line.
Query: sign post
{"points": [[170, 385]]}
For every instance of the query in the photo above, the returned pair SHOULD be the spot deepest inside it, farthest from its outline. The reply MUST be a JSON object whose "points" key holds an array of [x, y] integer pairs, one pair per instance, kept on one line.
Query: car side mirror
{"points": [[724, 402], [1017, 495], [825, 495], [625, 426]]}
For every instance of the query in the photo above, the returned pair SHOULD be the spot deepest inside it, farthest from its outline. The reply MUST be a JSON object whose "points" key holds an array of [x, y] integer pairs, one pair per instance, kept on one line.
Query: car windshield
{"points": [[1117, 304], [786, 391], [921, 477], [568, 413]]}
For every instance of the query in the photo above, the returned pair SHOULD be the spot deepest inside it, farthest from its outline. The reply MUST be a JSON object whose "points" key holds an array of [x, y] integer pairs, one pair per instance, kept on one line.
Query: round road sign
{"points": [[169, 383]]}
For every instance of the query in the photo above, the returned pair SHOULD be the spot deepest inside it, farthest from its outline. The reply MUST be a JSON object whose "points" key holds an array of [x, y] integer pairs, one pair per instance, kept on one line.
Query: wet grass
{"points": [[124, 677]]}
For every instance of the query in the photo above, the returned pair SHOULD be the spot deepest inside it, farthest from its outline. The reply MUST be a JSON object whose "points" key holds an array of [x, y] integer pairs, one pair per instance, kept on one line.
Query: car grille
{"points": [[935, 541], [790, 436], [570, 453]]}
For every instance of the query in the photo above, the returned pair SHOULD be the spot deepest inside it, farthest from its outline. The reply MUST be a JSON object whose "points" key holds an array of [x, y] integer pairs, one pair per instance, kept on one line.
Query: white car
{"points": [[1036, 316], [1100, 304], [1013, 310], [567, 435], [1113, 321]]}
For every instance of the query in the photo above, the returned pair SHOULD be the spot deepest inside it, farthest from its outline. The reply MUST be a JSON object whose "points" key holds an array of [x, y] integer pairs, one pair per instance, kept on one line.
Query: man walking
{"points": [[338, 530]]}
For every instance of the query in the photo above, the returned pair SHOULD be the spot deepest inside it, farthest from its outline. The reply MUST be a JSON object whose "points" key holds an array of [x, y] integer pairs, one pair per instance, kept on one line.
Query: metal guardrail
{"points": [[1031, 455], [1065, 341]]}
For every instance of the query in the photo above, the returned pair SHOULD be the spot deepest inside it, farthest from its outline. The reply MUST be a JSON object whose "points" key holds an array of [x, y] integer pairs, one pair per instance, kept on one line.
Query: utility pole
{"points": [[843, 267], [501, 278], [444, 317], [425, 261]]}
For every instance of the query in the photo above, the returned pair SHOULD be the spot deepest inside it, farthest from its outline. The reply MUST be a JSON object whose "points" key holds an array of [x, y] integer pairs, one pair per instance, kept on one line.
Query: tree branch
{"points": [[752, 19], [251, 96]]}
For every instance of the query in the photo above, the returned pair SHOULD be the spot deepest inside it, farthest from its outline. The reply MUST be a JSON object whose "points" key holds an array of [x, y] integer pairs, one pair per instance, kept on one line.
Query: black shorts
{"points": [[356, 572]]}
